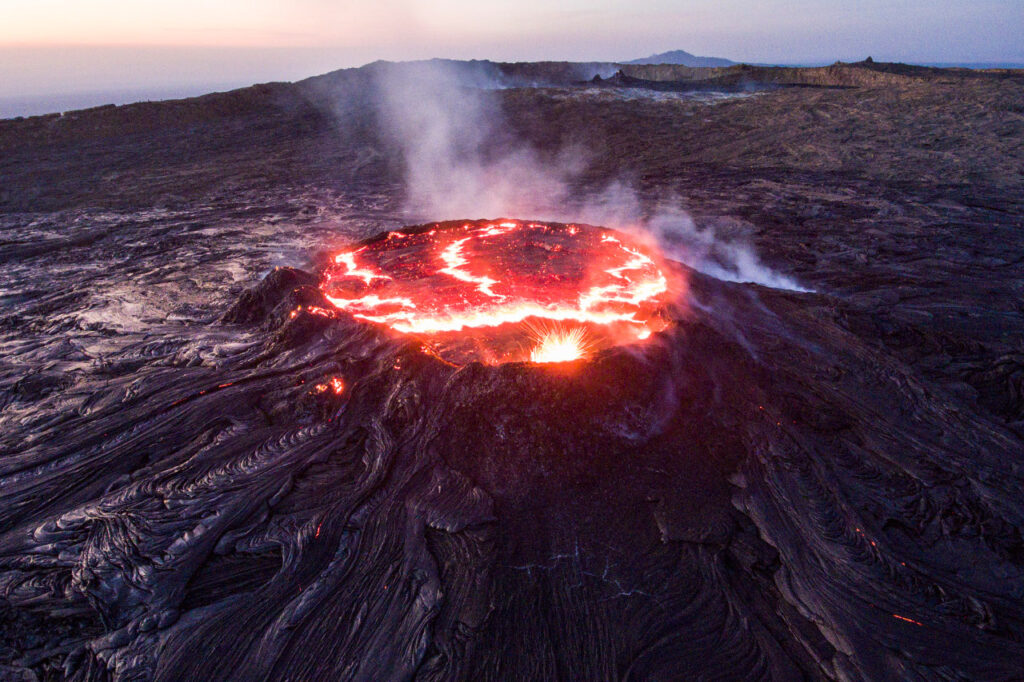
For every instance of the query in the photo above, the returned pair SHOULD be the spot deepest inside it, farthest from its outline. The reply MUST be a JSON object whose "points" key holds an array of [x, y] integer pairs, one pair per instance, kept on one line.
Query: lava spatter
{"points": [[560, 345], [473, 289]]}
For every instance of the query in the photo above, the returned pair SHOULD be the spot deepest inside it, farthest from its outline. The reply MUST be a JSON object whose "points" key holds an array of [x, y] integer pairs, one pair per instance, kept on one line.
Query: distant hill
{"points": [[976, 65], [682, 58]]}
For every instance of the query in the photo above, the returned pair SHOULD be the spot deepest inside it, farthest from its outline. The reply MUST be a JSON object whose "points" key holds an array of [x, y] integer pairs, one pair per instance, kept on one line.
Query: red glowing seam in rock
{"points": [[873, 543], [336, 384], [455, 260], [909, 620], [348, 259]]}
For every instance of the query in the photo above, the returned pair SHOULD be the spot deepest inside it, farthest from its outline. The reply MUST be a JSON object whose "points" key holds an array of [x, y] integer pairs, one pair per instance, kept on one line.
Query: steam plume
{"points": [[462, 161]]}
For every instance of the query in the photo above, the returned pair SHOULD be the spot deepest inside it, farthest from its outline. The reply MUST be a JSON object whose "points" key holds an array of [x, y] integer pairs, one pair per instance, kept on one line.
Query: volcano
{"points": [[260, 420], [342, 499]]}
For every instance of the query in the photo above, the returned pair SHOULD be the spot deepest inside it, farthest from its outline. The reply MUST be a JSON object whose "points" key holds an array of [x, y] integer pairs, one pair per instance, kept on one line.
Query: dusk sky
{"points": [[61, 46]]}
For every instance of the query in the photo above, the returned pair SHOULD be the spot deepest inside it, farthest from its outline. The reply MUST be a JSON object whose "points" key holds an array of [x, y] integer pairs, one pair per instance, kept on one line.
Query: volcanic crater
{"points": [[505, 290]]}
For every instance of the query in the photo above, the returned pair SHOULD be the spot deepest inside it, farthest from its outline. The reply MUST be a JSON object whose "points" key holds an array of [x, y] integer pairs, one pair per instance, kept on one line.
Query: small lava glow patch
{"points": [[504, 291]]}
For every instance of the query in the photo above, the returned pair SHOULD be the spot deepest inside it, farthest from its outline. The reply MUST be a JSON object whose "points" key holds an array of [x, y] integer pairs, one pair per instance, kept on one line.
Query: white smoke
{"points": [[720, 250], [462, 161]]}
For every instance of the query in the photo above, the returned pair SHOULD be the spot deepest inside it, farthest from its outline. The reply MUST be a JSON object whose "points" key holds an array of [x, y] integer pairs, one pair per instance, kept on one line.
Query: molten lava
{"points": [[560, 346], [473, 290]]}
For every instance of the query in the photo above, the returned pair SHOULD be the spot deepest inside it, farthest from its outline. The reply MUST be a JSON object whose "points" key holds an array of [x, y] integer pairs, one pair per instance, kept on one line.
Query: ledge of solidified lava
{"points": [[751, 493]]}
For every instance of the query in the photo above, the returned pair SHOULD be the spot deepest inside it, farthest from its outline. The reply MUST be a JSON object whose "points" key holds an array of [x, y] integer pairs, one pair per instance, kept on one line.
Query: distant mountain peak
{"points": [[684, 58]]}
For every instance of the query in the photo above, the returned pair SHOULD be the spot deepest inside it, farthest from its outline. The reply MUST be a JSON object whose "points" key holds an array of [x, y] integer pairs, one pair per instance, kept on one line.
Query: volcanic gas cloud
{"points": [[506, 290]]}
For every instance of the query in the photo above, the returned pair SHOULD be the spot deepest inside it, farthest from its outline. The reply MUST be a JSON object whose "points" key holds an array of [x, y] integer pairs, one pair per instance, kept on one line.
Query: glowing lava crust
{"points": [[506, 290]]}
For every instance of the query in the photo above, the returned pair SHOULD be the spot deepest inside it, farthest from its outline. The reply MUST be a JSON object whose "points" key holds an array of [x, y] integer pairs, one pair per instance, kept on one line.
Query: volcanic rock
{"points": [[816, 480]]}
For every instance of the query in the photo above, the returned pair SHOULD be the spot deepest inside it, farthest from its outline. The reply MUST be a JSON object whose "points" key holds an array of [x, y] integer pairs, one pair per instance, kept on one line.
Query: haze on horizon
{"points": [[55, 48]]}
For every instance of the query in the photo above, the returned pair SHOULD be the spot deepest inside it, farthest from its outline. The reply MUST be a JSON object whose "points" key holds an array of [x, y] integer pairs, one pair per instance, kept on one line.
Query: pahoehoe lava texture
{"points": [[779, 485], [756, 494]]}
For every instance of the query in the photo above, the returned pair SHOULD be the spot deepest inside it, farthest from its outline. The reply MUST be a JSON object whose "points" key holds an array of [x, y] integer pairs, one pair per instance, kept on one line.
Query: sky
{"points": [[53, 49]]}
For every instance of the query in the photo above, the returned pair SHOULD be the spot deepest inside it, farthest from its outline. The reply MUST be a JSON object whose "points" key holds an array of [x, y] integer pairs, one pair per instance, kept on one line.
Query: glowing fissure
{"points": [[415, 323], [628, 291], [454, 261], [348, 259], [485, 275]]}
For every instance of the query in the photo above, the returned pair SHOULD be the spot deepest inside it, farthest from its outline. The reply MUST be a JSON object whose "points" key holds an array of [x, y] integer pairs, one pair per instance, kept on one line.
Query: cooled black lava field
{"points": [[234, 446]]}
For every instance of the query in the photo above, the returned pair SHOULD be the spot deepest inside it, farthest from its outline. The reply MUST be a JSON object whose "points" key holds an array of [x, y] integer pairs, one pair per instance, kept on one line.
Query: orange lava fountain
{"points": [[471, 290], [560, 345]]}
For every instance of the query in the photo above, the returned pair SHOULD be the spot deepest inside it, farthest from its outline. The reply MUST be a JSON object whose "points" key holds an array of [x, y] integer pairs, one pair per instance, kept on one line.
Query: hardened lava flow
{"points": [[506, 290], [362, 473]]}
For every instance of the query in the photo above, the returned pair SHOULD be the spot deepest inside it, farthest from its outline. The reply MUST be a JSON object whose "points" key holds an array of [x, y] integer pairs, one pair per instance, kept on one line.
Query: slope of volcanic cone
{"points": [[753, 494]]}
